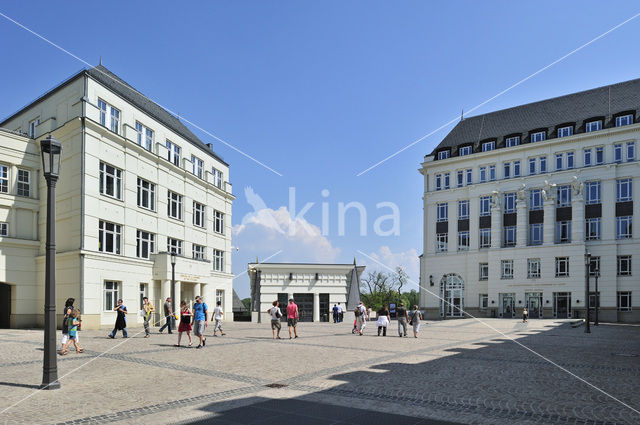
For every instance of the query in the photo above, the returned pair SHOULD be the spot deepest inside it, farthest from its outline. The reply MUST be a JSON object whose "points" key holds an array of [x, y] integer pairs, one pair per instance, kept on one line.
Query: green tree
{"points": [[247, 303]]}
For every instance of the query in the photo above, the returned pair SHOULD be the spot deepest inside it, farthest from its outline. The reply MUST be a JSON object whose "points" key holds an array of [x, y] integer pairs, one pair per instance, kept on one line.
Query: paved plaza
{"points": [[458, 371]]}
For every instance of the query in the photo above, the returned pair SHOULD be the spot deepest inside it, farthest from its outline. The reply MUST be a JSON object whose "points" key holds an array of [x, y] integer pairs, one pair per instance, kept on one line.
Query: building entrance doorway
{"points": [[305, 306], [534, 304], [452, 290], [325, 308], [562, 305], [5, 306], [507, 306]]}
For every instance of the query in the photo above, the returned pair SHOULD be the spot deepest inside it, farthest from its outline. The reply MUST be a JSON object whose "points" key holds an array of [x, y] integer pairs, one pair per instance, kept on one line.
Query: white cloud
{"points": [[266, 231], [408, 260]]}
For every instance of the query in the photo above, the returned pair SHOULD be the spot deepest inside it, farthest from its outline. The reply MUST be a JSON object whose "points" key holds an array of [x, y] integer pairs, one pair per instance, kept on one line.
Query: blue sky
{"points": [[320, 91]]}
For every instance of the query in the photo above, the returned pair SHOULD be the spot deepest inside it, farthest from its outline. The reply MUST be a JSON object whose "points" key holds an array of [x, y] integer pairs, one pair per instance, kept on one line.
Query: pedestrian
{"points": [[340, 313], [384, 317], [361, 318], [403, 317], [66, 313], [292, 317], [276, 314], [185, 323], [147, 308], [200, 322], [121, 320], [416, 316], [168, 315], [525, 315], [217, 316], [335, 313], [73, 321]]}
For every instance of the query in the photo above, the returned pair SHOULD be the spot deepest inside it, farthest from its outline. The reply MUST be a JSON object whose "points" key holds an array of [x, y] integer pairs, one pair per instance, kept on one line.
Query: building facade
{"points": [[135, 185], [514, 199], [314, 287]]}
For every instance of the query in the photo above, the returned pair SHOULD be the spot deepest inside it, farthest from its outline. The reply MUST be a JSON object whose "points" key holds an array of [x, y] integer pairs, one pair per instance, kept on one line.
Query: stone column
{"points": [[521, 223], [166, 290], [197, 289], [496, 225], [176, 302], [474, 224], [316, 307], [453, 230], [577, 218], [549, 225], [608, 221]]}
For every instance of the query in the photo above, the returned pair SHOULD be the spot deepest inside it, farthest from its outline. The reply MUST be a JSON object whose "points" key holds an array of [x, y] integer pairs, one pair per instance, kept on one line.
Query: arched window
{"points": [[452, 293]]}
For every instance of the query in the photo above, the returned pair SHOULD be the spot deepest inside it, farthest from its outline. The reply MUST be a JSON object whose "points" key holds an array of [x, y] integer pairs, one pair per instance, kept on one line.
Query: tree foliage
{"points": [[378, 288]]}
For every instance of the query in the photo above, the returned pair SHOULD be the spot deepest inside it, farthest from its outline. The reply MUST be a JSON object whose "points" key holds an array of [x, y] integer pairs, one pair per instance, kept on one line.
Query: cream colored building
{"points": [[514, 199], [315, 288], [135, 184]]}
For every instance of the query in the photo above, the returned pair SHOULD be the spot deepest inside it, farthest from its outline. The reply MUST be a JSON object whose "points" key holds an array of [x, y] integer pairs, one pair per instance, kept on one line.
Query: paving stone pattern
{"points": [[457, 372]]}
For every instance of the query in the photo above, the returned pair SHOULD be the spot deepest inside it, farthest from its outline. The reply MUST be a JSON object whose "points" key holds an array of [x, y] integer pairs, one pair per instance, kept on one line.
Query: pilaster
{"points": [[549, 221], [521, 224], [577, 218]]}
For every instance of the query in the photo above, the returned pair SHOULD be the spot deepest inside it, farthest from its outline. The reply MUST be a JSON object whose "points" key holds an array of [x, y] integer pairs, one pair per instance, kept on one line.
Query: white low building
{"points": [[315, 288], [514, 199], [135, 184]]}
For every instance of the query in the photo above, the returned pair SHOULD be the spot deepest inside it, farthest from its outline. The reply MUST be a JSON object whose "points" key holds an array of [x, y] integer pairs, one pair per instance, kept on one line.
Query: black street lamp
{"points": [[173, 283], [51, 152], [596, 323], [587, 264]]}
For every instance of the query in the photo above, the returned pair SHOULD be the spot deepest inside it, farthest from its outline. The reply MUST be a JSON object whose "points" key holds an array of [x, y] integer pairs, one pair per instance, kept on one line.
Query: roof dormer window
{"points": [[538, 136], [595, 125], [488, 146], [464, 150], [565, 131], [623, 120], [444, 154], [512, 141]]}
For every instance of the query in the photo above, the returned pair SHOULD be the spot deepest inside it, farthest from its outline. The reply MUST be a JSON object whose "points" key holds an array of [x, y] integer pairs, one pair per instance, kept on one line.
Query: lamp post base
{"points": [[52, 386]]}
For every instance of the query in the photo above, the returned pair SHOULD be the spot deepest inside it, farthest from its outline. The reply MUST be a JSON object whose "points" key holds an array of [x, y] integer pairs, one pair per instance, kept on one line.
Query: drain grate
{"points": [[276, 385]]}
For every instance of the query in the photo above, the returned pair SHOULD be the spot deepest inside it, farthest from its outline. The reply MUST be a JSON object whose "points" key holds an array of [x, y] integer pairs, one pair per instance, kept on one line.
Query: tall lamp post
{"points": [[173, 284], [595, 322], [587, 264], [51, 152]]}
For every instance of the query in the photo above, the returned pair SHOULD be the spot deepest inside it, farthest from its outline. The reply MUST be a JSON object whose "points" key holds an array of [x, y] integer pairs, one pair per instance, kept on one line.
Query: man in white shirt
{"points": [[361, 320], [340, 313], [217, 316], [276, 314]]}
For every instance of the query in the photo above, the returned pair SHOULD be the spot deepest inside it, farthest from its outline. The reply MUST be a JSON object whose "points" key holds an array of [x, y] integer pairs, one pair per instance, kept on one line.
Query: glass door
{"points": [[534, 305], [507, 306], [562, 305]]}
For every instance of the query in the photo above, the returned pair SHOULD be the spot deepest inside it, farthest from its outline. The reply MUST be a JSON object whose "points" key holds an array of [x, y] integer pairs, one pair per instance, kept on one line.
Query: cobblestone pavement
{"points": [[458, 371]]}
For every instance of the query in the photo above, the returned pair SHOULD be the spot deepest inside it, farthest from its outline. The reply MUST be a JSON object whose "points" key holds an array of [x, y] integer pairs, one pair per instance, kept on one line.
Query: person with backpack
{"points": [[361, 317], [276, 315], [200, 320], [416, 316]]}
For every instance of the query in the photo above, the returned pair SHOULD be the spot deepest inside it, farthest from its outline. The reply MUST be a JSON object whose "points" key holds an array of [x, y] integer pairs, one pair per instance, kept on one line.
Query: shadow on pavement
{"points": [[14, 384]]}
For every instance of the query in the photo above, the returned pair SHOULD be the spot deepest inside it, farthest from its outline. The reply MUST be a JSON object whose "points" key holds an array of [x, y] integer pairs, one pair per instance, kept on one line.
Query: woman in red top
{"points": [[185, 323]]}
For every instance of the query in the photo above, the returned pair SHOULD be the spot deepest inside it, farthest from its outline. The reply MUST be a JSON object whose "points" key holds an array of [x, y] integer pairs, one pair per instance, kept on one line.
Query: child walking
{"points": [[185, 323], [72, 325]]}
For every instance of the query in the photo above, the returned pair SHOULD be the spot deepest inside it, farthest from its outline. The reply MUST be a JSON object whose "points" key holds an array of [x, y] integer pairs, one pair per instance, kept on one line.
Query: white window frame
{"points": [[587, 157], [509, 199], [198, 252], [4, 229], [32, 127], [563, 228], [516, 169], [543, 164], [442, 212], [506, 170], [538, 136], [623, 120], [485, 237], [593, 229], [218, 222], [559, 161], [464, 151], [623, 265], [447, 180], [199, 214], [145, 136], [512, 141], [507, 269], [631, 151], [485, 206], [594, 125], [174, 202], [483, 271], [562, 266], [533, 268], [483, 174], [624, 295], [218, 260], [535, 200], [488, 146], [571, 160], [173, 153], [624, 190], [443, 154], [536, 234], [438, 181], [563, 196], [599, 155], [509, 236], [483, 301], [463, 240], [532, 166], [617, 153], [594, 264], [109, 172], [4, 178], [108, 230], [492, 173], [565, 131], [109, 116], [23, 186], [111, 287], [460, 178], [442, 242], [145, 244], [624, 227], [468, 176], [463, 209], [147, 190], [197, 165], [218, 177], [592, 193], [174, 245]]}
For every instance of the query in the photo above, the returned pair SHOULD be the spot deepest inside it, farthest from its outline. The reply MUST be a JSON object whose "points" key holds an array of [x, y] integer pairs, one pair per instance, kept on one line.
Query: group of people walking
{"points": [[413, 318], [293, 315]]}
